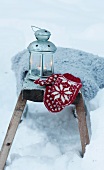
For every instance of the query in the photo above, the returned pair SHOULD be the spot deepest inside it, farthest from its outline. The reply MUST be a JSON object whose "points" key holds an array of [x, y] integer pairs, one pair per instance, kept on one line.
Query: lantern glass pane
{"points": [[47, 65], [35, 64]]}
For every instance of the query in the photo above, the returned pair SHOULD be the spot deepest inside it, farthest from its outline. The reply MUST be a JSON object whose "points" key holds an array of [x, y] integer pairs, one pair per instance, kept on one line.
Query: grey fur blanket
{"points": [[88, 67]]}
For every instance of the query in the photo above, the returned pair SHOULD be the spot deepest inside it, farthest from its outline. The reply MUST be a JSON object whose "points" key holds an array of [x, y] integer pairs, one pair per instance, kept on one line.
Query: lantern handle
{"points": [[35, 27]]}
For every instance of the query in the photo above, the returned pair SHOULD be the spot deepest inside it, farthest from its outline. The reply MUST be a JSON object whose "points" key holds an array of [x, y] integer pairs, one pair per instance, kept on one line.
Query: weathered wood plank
{"points": [[36, 95], [83, 130], [11, 131]]}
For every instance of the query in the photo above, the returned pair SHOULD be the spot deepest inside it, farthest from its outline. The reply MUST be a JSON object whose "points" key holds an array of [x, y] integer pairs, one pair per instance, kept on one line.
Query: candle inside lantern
{"points": [[39, 67], [45, 68], [35, 65], [51, 63]]}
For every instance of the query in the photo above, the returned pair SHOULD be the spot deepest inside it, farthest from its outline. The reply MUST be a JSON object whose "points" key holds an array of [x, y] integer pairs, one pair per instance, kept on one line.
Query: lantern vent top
{"points": [[42, 44], [42, 35]]}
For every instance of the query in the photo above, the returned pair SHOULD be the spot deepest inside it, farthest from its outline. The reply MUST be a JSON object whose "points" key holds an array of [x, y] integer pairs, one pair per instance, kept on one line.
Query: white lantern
{"points": [[41, 55]]}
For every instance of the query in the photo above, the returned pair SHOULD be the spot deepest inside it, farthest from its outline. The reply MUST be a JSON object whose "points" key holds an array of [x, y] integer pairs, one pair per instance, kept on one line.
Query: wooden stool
{"points": [[35, 93]]}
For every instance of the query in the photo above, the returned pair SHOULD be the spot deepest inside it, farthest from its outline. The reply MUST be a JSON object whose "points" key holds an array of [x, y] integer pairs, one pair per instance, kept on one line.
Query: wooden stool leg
{"points": [[11, 131], [83, 130]]}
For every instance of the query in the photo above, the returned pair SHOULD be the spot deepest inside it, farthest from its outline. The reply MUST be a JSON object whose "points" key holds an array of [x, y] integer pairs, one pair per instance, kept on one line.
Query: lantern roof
{"points": [[42, 44]]}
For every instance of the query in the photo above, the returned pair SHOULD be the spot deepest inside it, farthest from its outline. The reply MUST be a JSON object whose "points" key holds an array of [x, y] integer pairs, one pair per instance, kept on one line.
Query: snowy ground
{"points": [[45, 141]]}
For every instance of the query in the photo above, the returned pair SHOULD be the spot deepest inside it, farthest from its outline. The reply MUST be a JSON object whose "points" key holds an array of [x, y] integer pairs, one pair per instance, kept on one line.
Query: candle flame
{"points": [[45, 68]]}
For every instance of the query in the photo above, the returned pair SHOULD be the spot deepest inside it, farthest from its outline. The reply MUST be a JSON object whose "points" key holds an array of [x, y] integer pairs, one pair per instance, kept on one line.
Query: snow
{"points": [[46, 141]]}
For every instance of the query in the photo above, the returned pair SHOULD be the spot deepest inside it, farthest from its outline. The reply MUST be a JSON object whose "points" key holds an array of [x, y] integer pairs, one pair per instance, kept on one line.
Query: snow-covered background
{"points": [[45, 141]]}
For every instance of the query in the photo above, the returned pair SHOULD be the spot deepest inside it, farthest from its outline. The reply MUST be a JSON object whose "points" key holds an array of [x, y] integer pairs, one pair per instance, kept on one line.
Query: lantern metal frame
{"points": [[41, 74], [42, 47]]}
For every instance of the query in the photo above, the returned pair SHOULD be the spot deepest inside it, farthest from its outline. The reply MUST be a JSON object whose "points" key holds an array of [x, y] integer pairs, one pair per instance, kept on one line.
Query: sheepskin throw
{"points": [[88, 67]]}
